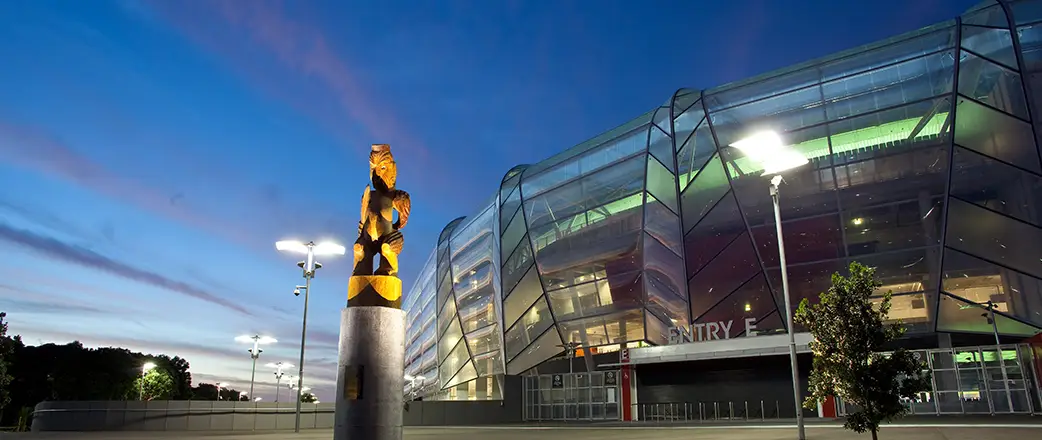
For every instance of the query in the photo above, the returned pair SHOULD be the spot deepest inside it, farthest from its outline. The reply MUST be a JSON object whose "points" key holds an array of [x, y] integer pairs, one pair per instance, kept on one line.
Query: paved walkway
{"points": [[951, 431]]}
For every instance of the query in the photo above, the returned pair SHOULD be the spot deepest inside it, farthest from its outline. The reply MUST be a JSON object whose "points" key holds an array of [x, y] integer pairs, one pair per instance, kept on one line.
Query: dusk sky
{"points": [[151, 153]]}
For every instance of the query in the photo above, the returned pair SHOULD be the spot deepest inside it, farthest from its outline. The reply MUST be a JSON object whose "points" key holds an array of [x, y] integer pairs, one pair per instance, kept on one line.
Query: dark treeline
{"points": [[31, 374]]}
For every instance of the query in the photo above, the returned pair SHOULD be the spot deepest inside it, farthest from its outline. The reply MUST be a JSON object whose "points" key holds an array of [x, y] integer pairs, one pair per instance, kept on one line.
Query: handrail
{"points": [[702, 411]]}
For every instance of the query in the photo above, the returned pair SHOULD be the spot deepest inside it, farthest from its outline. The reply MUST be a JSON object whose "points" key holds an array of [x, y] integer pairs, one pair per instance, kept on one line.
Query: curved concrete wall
{"points": [[202, 415], [177, 415]]}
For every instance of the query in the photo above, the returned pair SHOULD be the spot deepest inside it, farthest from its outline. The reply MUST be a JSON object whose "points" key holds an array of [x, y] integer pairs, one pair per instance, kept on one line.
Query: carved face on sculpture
{"points": [[382, 166]]}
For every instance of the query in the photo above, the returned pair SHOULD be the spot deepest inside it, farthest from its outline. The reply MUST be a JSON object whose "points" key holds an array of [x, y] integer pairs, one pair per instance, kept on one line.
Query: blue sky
{"points": [[151, 152]]}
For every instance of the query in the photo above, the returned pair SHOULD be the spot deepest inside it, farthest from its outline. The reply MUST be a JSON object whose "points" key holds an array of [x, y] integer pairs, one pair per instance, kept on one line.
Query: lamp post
{"points": [[998, 350], [278, 366], [309, 267], [219, 386], [766, 147], [571, 346], [257, 341], [415, 382], [144, 370]]}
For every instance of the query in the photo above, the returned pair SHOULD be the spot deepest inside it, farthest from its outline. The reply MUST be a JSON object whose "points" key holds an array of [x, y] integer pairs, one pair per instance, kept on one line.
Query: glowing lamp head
{"points": [[291, 246], [766, 148]]}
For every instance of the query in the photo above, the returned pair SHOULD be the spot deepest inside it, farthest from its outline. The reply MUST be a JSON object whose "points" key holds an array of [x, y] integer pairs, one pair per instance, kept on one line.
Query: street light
{"points": [[570, 346], [278, 366], [144, 370], [219, 386], [767, 148], [309, 266], [998, 349], [415, 382], [257, 341]]}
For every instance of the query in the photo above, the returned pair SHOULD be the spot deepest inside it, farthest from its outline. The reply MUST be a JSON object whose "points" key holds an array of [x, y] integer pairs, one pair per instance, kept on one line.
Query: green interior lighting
{"points": [[877, 137]]}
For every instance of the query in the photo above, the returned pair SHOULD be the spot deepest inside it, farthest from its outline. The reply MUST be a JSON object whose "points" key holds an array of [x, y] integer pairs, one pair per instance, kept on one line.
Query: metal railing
{"points": [[706, 411]]}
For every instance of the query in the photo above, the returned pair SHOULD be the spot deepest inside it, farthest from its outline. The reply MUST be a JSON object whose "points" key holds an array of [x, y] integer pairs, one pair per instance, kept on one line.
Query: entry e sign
{"points": [[610, 378], [709, 331], [558, 381]]}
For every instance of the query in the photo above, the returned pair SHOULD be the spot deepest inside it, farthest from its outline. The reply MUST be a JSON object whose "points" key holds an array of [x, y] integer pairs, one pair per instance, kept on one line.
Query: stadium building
{"points": [[636, 275]]}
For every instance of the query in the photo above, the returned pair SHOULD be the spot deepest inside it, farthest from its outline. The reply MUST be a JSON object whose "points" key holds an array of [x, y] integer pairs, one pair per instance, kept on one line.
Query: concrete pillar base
{"points": [[370, 374]]}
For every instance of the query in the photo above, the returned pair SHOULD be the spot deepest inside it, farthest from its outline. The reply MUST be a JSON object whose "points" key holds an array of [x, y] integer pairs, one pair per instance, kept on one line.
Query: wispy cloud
{"points": [[57, 306], [42, 217], [75, 254], [35, 149], [266, 45]]}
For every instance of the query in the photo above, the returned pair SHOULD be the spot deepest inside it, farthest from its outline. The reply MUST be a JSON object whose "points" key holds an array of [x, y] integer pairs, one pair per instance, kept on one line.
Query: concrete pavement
{"points": [[949, 431]]}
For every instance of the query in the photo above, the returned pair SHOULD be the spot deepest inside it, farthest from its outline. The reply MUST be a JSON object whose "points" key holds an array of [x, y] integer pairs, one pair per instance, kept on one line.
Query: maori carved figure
{"points": [[378, 233]]}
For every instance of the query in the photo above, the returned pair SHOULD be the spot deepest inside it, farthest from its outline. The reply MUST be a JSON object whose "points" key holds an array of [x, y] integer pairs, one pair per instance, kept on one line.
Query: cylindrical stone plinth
{"points": [[370, 377]]}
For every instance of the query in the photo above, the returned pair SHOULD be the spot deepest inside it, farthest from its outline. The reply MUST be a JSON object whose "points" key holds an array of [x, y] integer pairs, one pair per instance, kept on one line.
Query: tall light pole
{"points": [[219, 386], [309, 267], [278, 366], [257, 341], [571, 346], [998, 350], [766, 147], [144, 371]]}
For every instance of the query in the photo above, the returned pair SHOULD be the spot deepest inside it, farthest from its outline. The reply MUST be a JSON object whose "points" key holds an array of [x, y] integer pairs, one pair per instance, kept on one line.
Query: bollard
{"points": [[746, 416], [716, 410], [763, 416], [777, 409], [644, 412], [730, 410], [701, 411]]}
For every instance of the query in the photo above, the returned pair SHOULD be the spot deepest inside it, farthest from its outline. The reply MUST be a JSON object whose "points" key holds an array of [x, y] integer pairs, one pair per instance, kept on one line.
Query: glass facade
{"points": [[923, 163]]}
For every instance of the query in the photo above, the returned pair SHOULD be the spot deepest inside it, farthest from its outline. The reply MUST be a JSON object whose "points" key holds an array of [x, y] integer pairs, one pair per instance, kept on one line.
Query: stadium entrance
{"points": [[573, 396]]}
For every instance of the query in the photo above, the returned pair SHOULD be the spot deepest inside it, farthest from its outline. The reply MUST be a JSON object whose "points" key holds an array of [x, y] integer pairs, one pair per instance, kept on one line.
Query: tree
{"points": [[308, 398], [208, 391], [31, 374], [177, 367], [156, 384], [849, 334], [7, 351]]}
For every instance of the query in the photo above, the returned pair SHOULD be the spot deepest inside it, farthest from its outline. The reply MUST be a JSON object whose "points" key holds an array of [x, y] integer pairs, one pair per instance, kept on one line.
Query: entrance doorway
{"points": [[573, 396]]}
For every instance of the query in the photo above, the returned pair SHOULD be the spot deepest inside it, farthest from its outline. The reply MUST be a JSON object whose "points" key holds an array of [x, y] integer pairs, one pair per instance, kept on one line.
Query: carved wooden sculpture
{"points": [[379, 234], [376, 232]]}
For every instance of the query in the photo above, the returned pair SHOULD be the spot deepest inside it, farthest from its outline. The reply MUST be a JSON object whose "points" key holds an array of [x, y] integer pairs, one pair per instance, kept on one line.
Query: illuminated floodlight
{"points": [[409, 378], [323, 248], [329, 248], [255, 339], [279, 365], [257, 399], [766, 147], [148, 366], [291, 246]]}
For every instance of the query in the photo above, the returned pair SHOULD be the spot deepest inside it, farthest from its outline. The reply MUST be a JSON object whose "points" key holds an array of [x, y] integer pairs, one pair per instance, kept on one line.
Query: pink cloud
{"points": [[34, 149], [297, 47]]}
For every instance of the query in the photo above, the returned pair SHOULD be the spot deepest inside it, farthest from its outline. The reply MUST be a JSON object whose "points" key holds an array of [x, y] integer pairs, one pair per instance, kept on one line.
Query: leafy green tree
{"points": [[849, 334], [156, 384], [308, 398], [177, 368]]}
